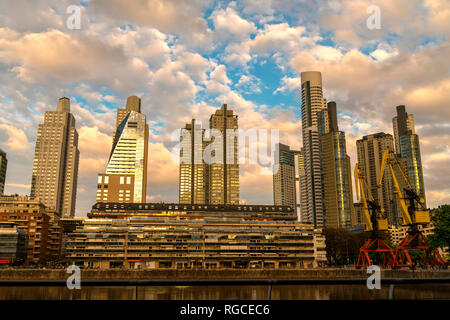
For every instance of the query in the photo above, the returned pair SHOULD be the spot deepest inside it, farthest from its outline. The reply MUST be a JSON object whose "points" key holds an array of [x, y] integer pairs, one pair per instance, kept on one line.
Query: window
{"points": [[106, 179], [128, 180], [122, 180], [99, 179]]}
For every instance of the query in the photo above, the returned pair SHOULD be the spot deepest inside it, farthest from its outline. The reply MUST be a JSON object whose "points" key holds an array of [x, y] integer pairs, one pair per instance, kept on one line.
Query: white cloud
{"points": [[228, 24]]}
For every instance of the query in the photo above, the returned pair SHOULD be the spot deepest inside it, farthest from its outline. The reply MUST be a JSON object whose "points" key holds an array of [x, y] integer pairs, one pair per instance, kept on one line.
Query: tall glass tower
{"points": [[125, 179], [337, 182], [193, 170], [407, 144], [312, 208]]}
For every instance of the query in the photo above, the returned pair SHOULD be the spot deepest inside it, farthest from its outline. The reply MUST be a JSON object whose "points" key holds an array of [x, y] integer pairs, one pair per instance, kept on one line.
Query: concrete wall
{"points": [[112, 274]]}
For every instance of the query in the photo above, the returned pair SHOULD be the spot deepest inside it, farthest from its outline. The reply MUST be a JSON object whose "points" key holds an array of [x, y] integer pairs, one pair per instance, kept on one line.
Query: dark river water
{"points": [[308, 292]]}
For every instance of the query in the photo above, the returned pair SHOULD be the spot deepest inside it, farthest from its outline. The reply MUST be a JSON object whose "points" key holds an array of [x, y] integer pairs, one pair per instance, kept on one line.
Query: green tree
{"points": [[441, 222], [342, 246]]}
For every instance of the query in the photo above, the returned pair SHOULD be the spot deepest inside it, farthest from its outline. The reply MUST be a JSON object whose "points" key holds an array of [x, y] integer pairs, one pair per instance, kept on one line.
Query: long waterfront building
{"points": [[194, 236]]}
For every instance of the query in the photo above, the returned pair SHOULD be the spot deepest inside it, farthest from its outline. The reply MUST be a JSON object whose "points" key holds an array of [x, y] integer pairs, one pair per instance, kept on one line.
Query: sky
{"points": [[186, 58]]}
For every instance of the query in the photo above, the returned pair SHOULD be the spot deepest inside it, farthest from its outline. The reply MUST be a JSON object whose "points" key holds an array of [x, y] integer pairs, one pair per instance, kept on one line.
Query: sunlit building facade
{"points": [[370, 151], [43, 227], [337, 182], [312, 103], [408, 147], [284, 188], [55, 166], [193, 176], [223, 181], [183, 236], [125, 179]]}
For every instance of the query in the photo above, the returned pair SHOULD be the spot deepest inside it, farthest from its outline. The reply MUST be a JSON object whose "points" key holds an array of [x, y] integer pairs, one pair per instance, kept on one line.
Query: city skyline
{"points": [[327, 129], [188, 71]]}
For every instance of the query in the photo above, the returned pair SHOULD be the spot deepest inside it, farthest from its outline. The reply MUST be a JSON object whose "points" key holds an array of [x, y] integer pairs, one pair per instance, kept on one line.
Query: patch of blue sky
{"points": [[327, 39], [128, 26], [270, 76], [156, 131]]}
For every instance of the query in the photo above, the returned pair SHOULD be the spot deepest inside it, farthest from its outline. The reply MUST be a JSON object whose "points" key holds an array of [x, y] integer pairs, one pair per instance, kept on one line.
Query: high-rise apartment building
{"points": [[55, 166], [337, 181], [408, 147], [125, 179], [193, 178], [312, 103], [370, 151], [223, 182], [299, 177], [3, 166], [402, 124], [284, 190]]}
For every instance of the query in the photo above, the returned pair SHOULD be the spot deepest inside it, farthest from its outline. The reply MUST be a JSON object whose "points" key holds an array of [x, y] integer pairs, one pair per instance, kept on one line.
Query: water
{"points": [[307, 292]]}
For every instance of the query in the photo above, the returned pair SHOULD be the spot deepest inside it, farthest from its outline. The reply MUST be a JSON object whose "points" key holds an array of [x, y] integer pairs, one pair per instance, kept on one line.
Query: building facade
{"points": [[3, 167], [56, 156], [13, 243], [408, 147], [312, 103], [337, 181], [43, 228], [404, 122], [125, 179], [284, 188], [182, 236], [370, 151], [193, 175], [223, 158]]}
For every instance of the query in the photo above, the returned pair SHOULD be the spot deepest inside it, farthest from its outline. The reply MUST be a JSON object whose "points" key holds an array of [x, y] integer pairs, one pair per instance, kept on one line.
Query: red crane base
{"points": [[416, 240], [372, 246]]}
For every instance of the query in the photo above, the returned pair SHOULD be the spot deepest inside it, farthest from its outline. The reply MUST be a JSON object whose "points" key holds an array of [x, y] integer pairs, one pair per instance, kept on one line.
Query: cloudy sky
{"points": [[186, 58]]}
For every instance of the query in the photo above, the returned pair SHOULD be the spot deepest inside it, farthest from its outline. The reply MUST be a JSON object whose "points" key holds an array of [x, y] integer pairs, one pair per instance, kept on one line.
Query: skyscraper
{"points": [[404, 123], [3, 166], [55, 166], [193, 170], [223, 182], [337, 182], [284, 190], [370, 151], [312, 103], [299, 179], [125, 179], [408, 147]]}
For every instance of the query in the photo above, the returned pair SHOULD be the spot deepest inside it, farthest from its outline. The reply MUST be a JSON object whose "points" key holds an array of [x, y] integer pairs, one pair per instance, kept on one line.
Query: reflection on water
{"points": [[308, 292]]}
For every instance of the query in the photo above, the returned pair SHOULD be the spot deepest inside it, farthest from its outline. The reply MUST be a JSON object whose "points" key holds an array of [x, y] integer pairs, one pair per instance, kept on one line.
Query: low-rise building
{"points": [[43, 228], [193, 236], [13, 244]]}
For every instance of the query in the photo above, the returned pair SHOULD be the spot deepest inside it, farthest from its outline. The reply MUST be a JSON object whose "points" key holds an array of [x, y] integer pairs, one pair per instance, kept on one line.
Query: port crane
{"points": [[414, 215], [376, 224]]}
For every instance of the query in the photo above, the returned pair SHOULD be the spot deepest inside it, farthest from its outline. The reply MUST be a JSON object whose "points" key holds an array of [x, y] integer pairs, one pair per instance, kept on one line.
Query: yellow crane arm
{"points": [[383, 165], [360, 192], [385, 160]]}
